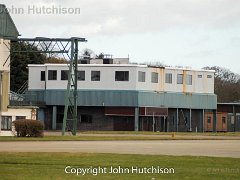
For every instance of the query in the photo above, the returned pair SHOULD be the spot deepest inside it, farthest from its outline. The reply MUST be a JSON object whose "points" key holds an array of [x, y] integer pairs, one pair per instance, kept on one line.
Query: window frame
{"points": [[125, 76], [43, 76], [92, 77], [187, 79], [141, 76], [179, 78], [64, 77], [53, 75], [168, 76], [154, 77], [78, 75]]}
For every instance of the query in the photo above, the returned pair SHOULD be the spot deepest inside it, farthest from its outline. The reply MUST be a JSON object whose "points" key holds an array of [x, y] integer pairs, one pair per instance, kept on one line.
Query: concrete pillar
{"points": [[190, 120], [202, 121], [214, 121], [54, 117], [177, 120], [235, 118], [136, 128]]}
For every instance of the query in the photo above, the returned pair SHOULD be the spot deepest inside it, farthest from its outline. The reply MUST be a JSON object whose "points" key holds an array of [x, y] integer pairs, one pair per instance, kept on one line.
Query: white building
{"points": [[110, 93]]}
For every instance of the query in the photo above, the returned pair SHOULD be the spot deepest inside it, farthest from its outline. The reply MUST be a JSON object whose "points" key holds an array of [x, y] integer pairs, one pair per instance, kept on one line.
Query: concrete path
{"points": [[217, 148]]}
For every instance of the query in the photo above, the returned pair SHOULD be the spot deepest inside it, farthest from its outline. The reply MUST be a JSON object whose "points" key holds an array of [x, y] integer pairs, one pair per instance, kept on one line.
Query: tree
{"points": [[19, 63], [227, 84]]}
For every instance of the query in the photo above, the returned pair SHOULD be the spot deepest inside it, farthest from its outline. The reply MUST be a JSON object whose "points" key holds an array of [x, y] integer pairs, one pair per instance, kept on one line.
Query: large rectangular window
{"points": [[168, 78], [141, 76], [64, 75], [81, 76], [180, 79], [85, 118], [154, 77], [20, 117], [95, 76], [42, 75], [121, 75], [6, 123], [189, 79], [52, 74]]}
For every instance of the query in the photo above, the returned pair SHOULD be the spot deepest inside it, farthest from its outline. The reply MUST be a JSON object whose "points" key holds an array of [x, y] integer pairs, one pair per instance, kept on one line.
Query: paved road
{"points": [[218, 148]]}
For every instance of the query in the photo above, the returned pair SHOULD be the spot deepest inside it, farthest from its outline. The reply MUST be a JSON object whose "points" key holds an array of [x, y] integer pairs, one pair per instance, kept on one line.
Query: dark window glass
{"points": [[122, 76], [85, 118], [64, 75], [95, 76], [52, 75], [209, 76], [20, 117], [199, 76], [81, 75], [42, 75]]}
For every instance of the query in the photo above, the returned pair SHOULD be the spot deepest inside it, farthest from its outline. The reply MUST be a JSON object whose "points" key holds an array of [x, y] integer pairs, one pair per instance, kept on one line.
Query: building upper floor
{"points": [[122, 77]]}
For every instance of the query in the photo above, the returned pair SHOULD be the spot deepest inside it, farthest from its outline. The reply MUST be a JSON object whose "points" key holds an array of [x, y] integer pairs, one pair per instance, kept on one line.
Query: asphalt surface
{"points": [[216, 148]]}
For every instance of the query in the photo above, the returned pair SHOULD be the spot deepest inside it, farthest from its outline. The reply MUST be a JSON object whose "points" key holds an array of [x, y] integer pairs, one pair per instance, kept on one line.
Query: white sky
{"points": [[194, 33]]}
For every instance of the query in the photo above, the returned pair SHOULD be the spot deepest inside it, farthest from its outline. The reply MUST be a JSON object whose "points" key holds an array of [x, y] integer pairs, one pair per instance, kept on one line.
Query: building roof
{"points": [[118, 65], [8, 29]]}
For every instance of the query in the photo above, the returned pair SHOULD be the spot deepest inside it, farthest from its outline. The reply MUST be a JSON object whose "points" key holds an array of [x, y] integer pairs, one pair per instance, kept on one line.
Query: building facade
{"points": [[126, 96], [9, 113]]}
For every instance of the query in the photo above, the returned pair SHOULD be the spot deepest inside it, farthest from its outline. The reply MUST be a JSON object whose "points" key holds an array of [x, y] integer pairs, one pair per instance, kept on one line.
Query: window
{"points": [[199, 76], [121, 75], [180, 79], [86, 118], [81, 76], [209, 76], [189, 79], [42, 75], [20, 117], [52, 75], [95, 76], [141, 76], [6, 123], [224, 120], [64, 75], [209, 119], [154, 77], [168, 78]]}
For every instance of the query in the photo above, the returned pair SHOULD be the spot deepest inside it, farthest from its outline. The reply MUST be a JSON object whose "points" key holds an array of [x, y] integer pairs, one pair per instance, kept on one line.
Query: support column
{"points": [[177, 121], [190, 120], [214, 121], [235, 118], [136, 128], [164, 124], [202, 121], [54, 117]]}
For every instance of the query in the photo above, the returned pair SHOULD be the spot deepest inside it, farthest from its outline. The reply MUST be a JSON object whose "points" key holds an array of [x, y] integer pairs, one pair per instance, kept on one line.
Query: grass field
{"points": [[125, 135], [52, 165]]}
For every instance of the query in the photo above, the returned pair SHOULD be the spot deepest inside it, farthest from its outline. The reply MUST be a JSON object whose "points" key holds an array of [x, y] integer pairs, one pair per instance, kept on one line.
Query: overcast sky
{"points": [[194, 33]]}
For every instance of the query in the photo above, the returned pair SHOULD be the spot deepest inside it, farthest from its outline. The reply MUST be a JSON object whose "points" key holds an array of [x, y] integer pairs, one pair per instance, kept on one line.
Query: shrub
{"points": [[30, 128]]}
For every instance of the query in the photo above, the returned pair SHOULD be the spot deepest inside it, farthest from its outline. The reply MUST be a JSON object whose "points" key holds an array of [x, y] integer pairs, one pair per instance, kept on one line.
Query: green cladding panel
{"points": [[7, 26], [129, 98]]}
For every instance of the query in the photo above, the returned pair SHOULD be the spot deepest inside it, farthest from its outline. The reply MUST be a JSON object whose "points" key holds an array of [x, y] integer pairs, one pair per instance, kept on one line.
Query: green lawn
{"points": [[52, 165]]}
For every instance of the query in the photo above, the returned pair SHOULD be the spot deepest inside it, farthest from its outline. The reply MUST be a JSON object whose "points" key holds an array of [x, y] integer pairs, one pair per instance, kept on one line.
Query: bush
{"points": [[30, 128]]}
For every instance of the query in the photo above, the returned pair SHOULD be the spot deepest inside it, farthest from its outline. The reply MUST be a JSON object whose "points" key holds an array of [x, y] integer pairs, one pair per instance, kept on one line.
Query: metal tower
{"points": [[68, 48]]}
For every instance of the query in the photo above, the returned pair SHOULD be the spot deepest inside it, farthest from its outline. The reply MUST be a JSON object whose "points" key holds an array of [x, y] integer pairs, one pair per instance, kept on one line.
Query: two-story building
{"points": [[126, 96]]}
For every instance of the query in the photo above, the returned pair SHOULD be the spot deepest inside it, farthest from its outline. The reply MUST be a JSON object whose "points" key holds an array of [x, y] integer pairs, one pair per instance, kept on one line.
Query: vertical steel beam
{"points": [[190, 119], [136, 119], [177, 120], [54, 117], [214, 120]]}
